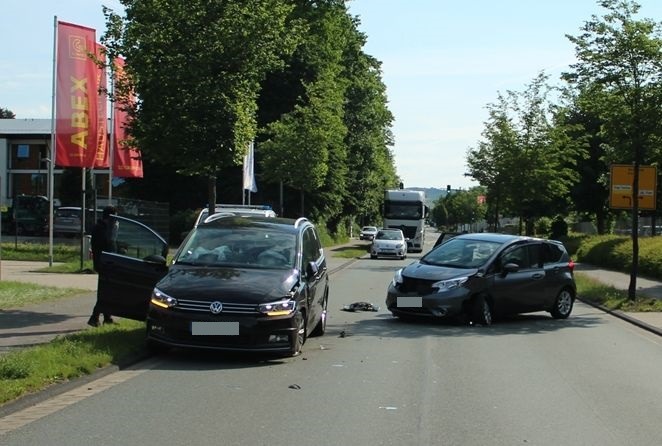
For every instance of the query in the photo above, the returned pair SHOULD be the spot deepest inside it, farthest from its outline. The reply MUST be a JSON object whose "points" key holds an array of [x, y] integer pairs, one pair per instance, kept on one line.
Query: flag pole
{"points": [[51, 161], [111, 139]]}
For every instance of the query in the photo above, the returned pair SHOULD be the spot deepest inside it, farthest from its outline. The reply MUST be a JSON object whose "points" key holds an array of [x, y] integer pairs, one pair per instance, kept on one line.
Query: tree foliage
{"points": [[620, 66], [196, 69], [460, 207], [211, 76], [334, 86], [5, 113], [526, 159]]}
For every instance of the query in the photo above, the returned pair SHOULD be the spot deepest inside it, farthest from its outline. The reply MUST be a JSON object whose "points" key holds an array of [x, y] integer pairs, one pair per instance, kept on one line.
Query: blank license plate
{"points": [[410, 302], [215, 328]]}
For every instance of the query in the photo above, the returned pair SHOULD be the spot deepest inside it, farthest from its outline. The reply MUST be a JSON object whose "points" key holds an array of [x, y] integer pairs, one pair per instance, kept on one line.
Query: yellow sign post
{"points": [[621, 185]]}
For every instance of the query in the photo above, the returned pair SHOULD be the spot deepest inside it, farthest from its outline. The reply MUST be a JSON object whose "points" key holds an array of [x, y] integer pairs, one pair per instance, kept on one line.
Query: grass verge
{"points": [[36, 368], [349, 252], [20, 294], [612, 298], [39, 252]]}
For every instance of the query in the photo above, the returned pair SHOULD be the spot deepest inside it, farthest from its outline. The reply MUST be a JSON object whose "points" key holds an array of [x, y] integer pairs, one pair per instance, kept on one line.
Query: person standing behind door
{"points": [[104, 238]]}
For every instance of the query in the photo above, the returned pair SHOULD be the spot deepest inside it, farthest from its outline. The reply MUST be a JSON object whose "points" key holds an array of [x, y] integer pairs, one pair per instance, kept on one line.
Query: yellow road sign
{"points": [[622, 182]]}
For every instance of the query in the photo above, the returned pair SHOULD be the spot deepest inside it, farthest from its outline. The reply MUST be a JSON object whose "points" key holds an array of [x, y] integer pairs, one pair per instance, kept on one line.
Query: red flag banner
{"points": [[76, 96], [127, 160], [101, 157]]}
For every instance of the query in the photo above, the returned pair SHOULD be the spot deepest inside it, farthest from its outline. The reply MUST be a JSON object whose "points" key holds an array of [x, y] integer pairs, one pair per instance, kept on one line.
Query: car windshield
{"points": [[369, 229], [389, 235], [245, 246], [461, 253]]}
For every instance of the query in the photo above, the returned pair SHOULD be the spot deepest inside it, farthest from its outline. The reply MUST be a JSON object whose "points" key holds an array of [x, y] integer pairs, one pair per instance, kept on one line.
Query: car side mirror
{"points": [[510, 268], [312, 269], [155, 258]]}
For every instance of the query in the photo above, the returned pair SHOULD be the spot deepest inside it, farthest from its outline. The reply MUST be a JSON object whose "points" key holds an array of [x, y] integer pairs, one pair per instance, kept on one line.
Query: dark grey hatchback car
{"points": [[235, 283], [481, 276]]}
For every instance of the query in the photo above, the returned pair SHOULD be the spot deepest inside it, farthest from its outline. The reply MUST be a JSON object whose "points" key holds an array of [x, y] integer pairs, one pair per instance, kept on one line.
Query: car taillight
{"points": [[571, 265]]}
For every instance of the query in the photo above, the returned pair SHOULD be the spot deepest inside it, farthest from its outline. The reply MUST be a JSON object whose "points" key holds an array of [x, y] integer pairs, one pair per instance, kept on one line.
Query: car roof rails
{"points": [[299, 221], [219, 215]]}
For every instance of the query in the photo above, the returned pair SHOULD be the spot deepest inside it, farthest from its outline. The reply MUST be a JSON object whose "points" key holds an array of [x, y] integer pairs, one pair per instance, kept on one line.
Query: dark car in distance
{"points": [[480, 276], [236, 283]]}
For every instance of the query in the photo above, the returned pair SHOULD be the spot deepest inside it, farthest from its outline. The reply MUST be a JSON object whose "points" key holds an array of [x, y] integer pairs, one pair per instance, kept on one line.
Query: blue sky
{"points": [[443, 62]]}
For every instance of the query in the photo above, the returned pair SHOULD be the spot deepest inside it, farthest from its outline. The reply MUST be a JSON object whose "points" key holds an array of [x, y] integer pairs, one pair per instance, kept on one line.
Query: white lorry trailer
{"points": [[406, 210]]}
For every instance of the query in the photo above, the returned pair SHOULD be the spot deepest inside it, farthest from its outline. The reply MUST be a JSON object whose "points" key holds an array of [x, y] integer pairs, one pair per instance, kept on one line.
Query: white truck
{"points": [[406, 210]]}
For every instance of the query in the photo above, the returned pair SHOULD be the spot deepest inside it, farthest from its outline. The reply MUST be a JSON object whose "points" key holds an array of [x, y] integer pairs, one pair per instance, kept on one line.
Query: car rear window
{"points": [[67, 213]]}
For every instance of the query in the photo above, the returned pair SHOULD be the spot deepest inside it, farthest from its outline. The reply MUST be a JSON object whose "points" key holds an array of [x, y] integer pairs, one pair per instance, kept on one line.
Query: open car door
{"points": [[127, 277]]}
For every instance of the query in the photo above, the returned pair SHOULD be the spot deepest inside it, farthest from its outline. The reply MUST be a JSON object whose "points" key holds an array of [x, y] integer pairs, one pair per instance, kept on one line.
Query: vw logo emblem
{"points": [[216, 307]]}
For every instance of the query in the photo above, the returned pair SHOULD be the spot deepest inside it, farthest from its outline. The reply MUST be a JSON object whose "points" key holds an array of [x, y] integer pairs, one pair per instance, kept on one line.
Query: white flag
{"points": [[249, 174]]}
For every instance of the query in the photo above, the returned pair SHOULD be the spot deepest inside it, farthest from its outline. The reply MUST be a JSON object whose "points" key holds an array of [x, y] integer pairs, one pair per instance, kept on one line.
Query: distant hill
{"points": [[432, 194]]}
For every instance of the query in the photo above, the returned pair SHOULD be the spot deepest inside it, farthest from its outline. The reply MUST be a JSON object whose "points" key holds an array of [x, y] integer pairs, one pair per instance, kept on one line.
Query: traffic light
{"points": [[402, 185], [448, 188]]}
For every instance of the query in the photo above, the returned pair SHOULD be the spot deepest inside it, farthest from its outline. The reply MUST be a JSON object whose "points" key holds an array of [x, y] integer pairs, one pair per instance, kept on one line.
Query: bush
{"points": [[543, 225], [610, 251], [572, 242], [615, 252]]}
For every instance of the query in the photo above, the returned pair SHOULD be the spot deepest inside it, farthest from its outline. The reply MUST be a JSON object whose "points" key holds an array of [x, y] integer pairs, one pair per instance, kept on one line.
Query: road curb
{"points": [[623, 316]]}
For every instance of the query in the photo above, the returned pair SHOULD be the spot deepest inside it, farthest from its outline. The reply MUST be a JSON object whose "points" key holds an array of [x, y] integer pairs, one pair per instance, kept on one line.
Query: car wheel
{"points": [[482, 313], [372, 256], [299, 336], [320, 328], [563, 304]]}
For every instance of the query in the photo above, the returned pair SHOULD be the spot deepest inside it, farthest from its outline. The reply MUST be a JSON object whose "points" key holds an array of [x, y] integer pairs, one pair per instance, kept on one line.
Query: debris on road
{"points": [[360, 306]]}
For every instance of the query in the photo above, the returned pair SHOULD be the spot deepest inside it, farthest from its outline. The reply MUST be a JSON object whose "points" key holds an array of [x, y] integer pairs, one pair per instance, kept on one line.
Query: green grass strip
{"points": [[36, 368]]}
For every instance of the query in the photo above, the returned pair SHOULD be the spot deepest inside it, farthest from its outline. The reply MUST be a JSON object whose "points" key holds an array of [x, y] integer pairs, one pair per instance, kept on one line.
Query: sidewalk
{"points": [[40, 323], [651, 321]]}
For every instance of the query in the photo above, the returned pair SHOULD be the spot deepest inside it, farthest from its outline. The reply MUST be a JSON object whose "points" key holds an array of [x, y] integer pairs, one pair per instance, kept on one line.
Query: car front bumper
{"points": [[388, 252], [436, 305], [232, 332]]}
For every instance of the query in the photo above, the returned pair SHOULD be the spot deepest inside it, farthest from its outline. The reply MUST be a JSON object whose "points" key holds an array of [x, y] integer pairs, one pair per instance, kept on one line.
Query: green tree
{"points": [[309, 138], [489, 162], [460, 208], [5, 113], [196, 69], [590, 195], [369, 138], [521, 136], [620, 64]]}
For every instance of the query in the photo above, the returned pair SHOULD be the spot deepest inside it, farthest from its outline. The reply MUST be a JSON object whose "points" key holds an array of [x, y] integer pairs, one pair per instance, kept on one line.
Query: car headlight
{"points": [[397, 278], [280, 308], [447, 285], [399, 245], [160, 299]]}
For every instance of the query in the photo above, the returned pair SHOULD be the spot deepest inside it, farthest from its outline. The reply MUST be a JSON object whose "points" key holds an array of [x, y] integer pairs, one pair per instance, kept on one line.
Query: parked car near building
{"points": [[28, 215], [480, 276], [235, 283], [67, 221]]}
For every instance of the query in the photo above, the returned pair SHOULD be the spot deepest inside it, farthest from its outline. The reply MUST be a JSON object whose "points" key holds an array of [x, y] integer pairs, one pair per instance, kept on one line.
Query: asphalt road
{"points": [[373, 380]]}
